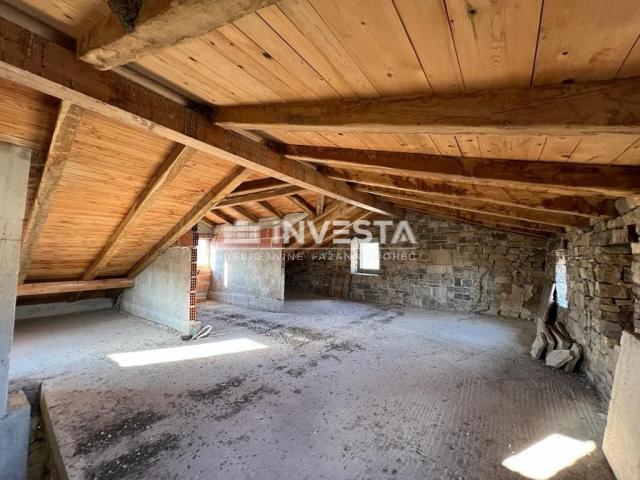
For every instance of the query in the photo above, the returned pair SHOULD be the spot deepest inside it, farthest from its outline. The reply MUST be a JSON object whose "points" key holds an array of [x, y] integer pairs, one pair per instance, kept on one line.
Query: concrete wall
{"points": [[255, 278], [453, 266], [61, 308], [603, 283], [161, 292]]}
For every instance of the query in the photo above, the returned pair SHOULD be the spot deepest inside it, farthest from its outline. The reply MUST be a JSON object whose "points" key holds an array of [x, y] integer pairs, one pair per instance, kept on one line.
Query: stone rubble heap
{"points": [[554, 344]]}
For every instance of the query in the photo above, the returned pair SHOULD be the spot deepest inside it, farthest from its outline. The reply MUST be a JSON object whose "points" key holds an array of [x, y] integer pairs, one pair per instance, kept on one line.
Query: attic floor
{"points": [[336, 390]]}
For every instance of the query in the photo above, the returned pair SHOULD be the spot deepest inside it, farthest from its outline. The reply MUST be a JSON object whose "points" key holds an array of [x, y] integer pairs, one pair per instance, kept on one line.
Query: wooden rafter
{"points": [[614, 181], [224, 217], [303, 204], [257, 197], [242, 211], [361, 216], [170, 168], [158, 24], [257, 186], [226, 185], [61, 143], [271, 209], [482, 206], [579, 109], [332, 212], [588, 206], [48, 288], [42, 65], [320, 204], [486, 218]]}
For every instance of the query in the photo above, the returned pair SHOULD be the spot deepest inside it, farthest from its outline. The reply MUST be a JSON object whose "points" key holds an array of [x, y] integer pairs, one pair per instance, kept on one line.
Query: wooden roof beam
{"points": [[169, 170], [243, 212], [206, 203], [122, 38], [613, 181], [577, 109], [300, 202], [479, 205], [224, 217], [320, 204], [330, 213], [587, 206], [271, 209], [257, 197], [39, 64], [257, 186], [361, 216], [64, 134], [48, 288]]}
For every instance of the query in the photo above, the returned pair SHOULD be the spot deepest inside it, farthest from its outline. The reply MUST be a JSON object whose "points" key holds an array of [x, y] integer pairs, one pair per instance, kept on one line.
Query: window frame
{"points": [[356, 269]]}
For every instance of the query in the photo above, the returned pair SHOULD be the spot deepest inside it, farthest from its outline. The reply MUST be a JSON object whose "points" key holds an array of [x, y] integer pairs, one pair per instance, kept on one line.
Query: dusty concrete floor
{"points": [[342, 391]]}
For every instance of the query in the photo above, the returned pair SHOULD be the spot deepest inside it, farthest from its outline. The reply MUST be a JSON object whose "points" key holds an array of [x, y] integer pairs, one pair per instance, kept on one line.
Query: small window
{"points": [[365, 256], [561, 282], [203, 252]]}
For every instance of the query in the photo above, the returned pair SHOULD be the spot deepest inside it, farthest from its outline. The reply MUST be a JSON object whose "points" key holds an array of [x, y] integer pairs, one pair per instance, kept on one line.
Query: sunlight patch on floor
{"points": [[187, 352], [544, 459]]}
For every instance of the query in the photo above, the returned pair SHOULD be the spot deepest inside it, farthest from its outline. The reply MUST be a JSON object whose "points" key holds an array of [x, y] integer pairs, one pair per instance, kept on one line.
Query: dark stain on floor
{"points": [[210, 395], [103, 438], [135, 463]]}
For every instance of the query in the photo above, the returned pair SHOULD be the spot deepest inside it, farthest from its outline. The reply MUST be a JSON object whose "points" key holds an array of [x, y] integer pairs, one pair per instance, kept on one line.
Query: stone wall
{"points": [[603, 283], [453, 266]]}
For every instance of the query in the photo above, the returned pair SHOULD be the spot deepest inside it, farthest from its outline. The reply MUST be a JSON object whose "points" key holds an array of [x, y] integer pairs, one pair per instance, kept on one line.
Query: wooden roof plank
{"points": [[48, 288], [178, 157], [42, 65], [228, 184]]}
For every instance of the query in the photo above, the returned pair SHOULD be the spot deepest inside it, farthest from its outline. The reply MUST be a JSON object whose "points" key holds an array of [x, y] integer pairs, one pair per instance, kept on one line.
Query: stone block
{"points": [[558, 358], [608, 273], [624, 205], [611, 290], [610, 329]]}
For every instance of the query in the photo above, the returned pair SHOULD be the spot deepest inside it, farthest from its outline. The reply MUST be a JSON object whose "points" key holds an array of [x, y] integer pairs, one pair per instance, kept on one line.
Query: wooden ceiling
{"points": [[378, 105]]}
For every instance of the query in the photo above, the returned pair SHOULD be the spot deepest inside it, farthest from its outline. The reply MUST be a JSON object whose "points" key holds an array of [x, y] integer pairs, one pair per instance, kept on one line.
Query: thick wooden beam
{"points": [[613, 181], [478, 217], [479, 205], [579, 109], [271, 209], [37, 63], [257, 186], [170, 168], [158, 24], [257, 197], [588, 206], [226, 185], [48, 288], [63, 136], [240, 210], [303, 204], [320, 204]]}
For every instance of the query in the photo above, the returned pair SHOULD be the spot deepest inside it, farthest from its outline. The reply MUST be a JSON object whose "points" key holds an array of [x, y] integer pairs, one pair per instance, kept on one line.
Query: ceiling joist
{"points": [[576, 109], [260, 196], [39, 64], [614, 181]]}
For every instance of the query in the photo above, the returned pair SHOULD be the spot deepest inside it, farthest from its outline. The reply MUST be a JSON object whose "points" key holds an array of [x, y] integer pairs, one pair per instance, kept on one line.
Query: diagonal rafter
{"points": [[271, 209], [300, 202], [64, 133], [170, 168], [260, 196], [226, 185], [242, 211]]}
